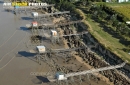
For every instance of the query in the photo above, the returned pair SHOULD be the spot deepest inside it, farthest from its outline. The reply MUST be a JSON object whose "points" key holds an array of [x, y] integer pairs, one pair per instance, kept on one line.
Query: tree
{"points": [[84, 2], [115, 23], [120, 27], [103, 14], [127, 31], [113, 18]]}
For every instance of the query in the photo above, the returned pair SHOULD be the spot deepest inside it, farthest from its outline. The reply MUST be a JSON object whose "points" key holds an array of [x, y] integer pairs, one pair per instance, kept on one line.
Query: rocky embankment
{"points": [[108, 58]]}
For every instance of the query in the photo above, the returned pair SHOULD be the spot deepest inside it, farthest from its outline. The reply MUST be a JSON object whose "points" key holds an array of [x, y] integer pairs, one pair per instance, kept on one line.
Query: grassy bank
{"points": [[105, 39], [122, 8]]}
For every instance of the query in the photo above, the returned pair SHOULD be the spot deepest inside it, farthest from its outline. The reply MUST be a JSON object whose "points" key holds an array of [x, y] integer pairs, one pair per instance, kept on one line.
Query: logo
{"points": [[24, 4], [19, 4]]}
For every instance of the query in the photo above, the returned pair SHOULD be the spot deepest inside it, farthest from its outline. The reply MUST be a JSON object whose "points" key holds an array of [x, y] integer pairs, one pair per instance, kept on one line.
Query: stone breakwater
{"points": [[117, 76]]}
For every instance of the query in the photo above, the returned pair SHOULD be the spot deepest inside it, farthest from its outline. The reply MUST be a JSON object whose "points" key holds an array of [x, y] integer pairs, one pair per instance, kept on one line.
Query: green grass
{"points": [[105, 39], [121, 8], [118, 4], [114, 4], [108, 41]]}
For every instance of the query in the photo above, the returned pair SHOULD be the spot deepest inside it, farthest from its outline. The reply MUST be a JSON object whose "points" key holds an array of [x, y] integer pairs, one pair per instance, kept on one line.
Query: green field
{"points": [[122, 8], [108, 41], [105, 38]]}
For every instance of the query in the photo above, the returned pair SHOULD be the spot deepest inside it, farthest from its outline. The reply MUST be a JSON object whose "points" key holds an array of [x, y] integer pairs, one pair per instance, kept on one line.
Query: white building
{"points": [[60, 76], [53, 33], [108, 0], [128, 22], [41, 49], [34, 24], [34, 14], [119, 1]]}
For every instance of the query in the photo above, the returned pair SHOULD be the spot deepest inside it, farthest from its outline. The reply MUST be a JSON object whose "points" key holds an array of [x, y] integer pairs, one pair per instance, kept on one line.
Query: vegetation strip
{"points": [[105, 39]]}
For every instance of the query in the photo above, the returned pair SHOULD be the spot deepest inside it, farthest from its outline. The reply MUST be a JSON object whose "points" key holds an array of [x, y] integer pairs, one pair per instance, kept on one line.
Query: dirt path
{"points": [[84, 19]]}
